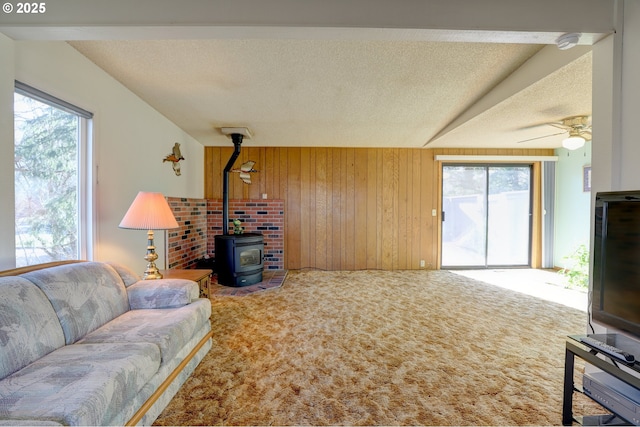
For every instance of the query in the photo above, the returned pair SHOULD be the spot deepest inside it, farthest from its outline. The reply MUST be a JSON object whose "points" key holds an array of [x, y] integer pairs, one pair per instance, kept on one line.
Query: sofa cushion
{"points": [[79, 384], [129, 277], [162, 293], [169, 329], [30, 423], [85, 296], [29, 328]]}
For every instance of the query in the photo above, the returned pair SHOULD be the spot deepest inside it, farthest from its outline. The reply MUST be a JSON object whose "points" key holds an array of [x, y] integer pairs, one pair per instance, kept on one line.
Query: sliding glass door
{"points": [[486, 215]]}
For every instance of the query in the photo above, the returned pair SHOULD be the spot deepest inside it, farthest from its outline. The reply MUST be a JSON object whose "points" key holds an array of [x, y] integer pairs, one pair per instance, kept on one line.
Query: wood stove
{"points": [[239, 257]]}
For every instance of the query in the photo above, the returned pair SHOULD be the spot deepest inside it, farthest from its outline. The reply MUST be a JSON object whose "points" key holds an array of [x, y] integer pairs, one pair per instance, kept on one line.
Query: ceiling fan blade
{"points": [[540, 137], [586, 135], [559, 125]]}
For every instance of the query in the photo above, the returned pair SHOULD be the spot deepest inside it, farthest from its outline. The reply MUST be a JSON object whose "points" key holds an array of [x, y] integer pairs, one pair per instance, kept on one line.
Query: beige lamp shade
{"points": [[149, 211]]}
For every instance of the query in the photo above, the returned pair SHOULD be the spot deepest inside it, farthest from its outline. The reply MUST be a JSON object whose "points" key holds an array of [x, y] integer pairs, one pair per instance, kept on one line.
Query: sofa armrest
{"points": [[162, 293]]}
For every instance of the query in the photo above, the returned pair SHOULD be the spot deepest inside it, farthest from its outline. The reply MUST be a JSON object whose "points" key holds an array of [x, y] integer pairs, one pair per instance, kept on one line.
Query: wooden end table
{"points": [[200, 276]]}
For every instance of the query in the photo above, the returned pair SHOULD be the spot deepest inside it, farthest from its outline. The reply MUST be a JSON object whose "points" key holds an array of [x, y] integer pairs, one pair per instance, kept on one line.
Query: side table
{"points": [[201, 276]]}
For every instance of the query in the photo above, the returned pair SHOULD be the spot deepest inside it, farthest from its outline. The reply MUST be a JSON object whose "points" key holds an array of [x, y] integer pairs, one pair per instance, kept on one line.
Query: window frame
{"points": [[86, 229]]}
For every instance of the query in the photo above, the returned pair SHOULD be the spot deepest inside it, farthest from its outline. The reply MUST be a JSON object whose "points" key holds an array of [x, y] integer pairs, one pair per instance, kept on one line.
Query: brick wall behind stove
{"points": [[257, 216], [187, 243]]}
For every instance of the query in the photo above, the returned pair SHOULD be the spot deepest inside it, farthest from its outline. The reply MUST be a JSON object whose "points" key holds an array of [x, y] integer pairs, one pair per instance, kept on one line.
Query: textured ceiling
{"points": [[362, 73], [392, 93]]}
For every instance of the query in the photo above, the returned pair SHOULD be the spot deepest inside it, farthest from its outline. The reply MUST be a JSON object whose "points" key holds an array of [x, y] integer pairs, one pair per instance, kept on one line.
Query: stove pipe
{"points": [[237, 141]]}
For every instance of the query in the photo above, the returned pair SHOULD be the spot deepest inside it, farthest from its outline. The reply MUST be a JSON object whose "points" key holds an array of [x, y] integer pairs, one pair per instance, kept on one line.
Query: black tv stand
{"points": [[574, 347]]}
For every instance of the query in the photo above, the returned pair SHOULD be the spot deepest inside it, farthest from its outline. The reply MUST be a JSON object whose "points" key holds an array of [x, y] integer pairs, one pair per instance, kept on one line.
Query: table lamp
{"points": [[149, 211]]}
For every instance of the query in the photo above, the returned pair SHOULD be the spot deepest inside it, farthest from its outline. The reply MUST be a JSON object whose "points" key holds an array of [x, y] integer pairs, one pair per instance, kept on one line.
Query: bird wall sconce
{"points": [[174, 158], [245, 171]]}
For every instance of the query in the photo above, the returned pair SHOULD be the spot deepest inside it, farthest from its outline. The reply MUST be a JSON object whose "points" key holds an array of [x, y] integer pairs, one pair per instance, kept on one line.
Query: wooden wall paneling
{"points": [[386, 222], [349, 222], [251, 191], [351, 208], [306, 197], [293, 209], [247, 191], [379, 195], [413, 248], [319, 210], [213, 173], [268, 171], [401, 220], [242, 190], [433, 222], [389, 189], [280, 180], [313, 211], [283, 188], [337, 218], [416, 184], [396, 210], [371, 225], [413, 184], [272, 187], [329, 209], [361, 200], [265, 164], [426, 189]]}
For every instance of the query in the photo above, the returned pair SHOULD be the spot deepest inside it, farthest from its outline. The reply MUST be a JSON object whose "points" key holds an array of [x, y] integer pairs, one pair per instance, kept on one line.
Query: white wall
{"points": [[130, 141], [630, 99], [616, 108], [572, 205]]}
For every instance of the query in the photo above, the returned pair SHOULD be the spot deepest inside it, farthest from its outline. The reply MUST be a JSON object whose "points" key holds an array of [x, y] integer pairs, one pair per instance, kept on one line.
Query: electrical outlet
{"points": [[422, 263]]}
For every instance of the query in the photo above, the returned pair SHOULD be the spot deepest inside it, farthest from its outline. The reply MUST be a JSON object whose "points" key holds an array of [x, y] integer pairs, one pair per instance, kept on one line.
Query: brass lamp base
{"points": [[151, 271]]}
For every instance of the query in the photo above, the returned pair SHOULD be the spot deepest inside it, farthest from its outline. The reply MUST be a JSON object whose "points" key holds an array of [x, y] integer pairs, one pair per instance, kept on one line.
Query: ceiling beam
{"points": [[549, 60], [517, 21]]}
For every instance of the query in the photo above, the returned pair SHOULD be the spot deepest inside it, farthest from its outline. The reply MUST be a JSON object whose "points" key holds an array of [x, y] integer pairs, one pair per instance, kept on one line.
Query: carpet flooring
{"points": [[381, 348]]}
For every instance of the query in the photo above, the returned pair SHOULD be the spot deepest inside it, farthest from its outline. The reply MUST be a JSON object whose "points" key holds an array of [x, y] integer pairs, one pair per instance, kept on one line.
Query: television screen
{"points": [[616, 261]]}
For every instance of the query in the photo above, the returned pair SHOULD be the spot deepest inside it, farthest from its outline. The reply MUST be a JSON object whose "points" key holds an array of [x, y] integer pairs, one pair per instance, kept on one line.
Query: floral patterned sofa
{"points": [[88, 343]]}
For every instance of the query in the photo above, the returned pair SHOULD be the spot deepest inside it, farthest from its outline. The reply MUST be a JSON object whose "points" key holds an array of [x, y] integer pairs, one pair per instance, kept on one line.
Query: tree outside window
{"points": [[46, 182]]}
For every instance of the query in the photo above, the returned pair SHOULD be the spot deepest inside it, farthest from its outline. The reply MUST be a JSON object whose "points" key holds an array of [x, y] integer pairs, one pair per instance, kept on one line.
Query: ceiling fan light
{"points": [[573, 142]]}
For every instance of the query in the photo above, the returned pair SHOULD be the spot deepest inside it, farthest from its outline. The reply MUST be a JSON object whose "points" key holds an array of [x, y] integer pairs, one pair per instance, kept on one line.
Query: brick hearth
{"points": [[201, 219]]}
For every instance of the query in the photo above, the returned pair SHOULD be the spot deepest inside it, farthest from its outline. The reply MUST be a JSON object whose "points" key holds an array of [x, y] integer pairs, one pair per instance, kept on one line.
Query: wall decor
{"points": [[586, 179], [245, 170], [174, 158]]}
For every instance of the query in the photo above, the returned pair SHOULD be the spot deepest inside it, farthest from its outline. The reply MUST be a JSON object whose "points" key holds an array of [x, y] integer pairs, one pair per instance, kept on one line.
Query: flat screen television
{"points": [[615, 299]]}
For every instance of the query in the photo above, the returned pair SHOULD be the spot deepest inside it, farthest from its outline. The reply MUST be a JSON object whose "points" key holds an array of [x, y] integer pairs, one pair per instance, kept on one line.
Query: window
{"points": [[51, 190]]}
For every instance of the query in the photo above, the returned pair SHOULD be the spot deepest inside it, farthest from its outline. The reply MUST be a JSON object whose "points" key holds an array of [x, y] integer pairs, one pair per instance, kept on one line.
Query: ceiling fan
{"points": [[578, 128]]}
